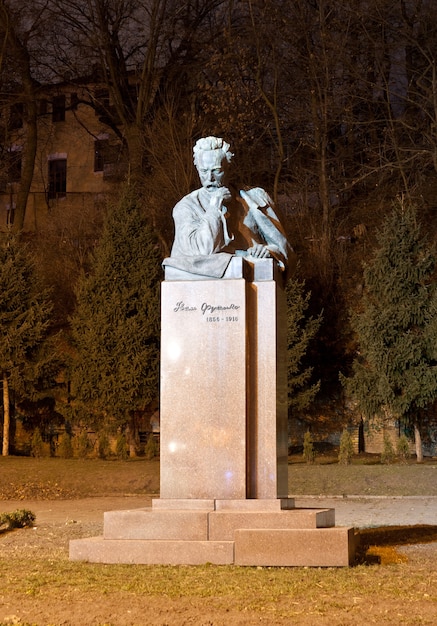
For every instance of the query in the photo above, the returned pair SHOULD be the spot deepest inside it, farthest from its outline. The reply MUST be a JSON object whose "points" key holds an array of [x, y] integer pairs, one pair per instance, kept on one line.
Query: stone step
{"points": [[147, 523], [247, 504], [223, 524], [203, 525], [325, 547], [100, 550], [271, 504]]}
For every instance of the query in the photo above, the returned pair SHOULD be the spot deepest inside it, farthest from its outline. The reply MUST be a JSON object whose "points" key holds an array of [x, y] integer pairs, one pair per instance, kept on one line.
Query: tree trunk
{"points": [[134, 144], [418, 444], [133, 437], [20, 53], [6, 416], [29, 155]]}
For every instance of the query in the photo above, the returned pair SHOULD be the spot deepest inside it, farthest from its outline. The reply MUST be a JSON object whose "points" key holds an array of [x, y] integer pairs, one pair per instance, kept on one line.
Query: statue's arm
{"points": [[197, 233], [263, 216]]}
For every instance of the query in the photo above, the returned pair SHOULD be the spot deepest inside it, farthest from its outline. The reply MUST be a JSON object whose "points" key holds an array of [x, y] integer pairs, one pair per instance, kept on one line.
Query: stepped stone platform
{"points": [[222, 532]]}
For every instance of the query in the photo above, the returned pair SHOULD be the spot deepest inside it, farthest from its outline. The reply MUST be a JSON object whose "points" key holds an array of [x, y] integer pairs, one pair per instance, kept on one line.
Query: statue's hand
{"points": [[218, 198], [256, 198], [248, 200], [259, 251]]}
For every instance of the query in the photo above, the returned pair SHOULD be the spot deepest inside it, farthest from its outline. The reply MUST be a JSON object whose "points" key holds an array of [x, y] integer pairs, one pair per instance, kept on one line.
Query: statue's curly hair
{"points": [[212, 143]]}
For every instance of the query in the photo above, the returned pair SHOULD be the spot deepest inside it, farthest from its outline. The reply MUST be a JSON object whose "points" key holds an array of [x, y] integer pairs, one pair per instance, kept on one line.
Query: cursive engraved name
{"points": [[211, 309], [181, 306]]}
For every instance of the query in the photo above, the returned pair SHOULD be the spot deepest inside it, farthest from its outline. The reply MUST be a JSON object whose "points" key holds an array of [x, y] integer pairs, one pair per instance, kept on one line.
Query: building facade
{"points": [[79, 156]]}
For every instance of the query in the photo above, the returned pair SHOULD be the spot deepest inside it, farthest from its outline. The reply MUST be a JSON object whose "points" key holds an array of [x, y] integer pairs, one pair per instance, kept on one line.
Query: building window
{"points": [[100, 154], [57, 178], [74, 101], [58, 112], [16, 116], [14, 170], [43, 106]]}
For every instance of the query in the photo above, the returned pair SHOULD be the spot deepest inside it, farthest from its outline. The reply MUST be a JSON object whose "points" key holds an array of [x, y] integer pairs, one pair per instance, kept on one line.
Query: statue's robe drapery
{"points": [[206, 239]]}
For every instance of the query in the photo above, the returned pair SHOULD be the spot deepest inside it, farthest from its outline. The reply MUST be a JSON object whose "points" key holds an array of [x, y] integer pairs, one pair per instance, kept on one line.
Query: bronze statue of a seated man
{"points": [[216, 221]]}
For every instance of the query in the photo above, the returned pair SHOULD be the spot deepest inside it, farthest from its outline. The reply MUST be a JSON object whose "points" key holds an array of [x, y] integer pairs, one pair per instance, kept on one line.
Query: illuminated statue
{"points": [[216, 221]]}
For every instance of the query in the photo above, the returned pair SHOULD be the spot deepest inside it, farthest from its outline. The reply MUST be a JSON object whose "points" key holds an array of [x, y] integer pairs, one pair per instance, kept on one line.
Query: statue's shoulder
{"points": [[188, 201]]}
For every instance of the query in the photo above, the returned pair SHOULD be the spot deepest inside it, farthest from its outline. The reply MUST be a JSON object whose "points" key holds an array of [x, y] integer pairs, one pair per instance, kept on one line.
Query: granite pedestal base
{"points": [[223, 410], [222, 532]]}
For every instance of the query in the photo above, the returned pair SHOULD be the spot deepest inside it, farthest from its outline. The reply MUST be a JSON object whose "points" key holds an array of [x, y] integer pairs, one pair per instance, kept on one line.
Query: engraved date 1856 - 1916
{"points": [[227, 318]]}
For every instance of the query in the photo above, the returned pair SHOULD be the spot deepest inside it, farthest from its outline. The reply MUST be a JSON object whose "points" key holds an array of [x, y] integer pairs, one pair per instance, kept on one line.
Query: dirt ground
{"points": [[57, 522]]}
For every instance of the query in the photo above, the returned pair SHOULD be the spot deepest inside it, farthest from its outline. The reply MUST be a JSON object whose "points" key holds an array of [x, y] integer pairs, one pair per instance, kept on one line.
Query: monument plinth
{"points": [[224, 486], [203, 389], [223, 409]]}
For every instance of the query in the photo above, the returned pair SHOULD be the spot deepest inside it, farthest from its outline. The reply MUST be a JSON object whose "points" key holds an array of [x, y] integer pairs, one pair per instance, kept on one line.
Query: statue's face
{"points": [[212, 165]]}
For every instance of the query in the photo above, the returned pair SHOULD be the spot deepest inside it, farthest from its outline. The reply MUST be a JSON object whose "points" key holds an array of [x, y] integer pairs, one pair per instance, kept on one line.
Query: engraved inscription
{"points": [[181, 306], [212, 313], [214, 318], [209, 308]]}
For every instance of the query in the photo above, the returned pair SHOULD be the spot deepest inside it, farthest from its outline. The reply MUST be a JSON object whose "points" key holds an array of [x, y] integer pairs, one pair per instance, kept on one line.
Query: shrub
{"points": [[151, 448], [346, 451], [103, 446], [403, 448], [83, 445], [388, 452], [17, 519], [309, 454], [37, 444], [65, 449], [121, 448]]}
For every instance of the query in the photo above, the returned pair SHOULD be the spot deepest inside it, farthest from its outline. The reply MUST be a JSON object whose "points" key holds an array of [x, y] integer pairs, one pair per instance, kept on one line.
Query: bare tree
{"points": [[139, 52], [16, 29]]}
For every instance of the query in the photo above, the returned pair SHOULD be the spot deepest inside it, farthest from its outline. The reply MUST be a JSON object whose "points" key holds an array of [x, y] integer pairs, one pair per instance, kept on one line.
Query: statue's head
{"points": [[211, 158]]}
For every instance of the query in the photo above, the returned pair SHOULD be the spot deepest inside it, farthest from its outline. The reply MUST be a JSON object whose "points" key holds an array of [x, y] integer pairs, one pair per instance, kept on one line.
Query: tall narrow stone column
{"points": [[267, 390], [203, 389]]}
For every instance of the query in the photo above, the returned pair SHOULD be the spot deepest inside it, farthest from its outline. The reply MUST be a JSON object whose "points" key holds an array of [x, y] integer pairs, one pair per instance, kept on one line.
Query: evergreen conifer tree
{"points": [[116, 323], [395, 373], [300, 331], [25, 314]]}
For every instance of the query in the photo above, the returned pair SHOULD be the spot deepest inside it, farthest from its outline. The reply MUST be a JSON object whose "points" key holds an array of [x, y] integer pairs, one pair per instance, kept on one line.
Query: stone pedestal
{"points": [[203, 389], [224, 475]]}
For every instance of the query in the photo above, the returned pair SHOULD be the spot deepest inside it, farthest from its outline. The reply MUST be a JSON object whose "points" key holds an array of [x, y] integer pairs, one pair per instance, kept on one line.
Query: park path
{"points": [[357, 511], [368, 511]]}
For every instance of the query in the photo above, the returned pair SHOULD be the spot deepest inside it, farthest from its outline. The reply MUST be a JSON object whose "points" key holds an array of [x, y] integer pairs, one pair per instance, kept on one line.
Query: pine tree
{"points": [[65, 449], [300, 331], [395, 373], [116, 323], [25, 313], [309, 452], [346, 450]]}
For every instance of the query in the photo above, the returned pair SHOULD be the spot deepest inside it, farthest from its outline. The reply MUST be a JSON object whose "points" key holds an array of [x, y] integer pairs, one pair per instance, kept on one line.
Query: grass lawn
{"points": [[41, 587], [54, 478], [358, 479], [57, 479], [59, 592]]}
